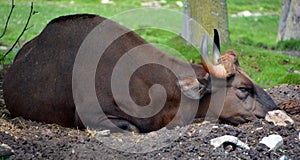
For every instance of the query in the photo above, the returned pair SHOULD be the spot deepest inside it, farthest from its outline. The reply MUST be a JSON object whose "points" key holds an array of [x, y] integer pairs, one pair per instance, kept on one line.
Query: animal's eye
{"points": [[243, 92], [243, 89], [246, 90]]}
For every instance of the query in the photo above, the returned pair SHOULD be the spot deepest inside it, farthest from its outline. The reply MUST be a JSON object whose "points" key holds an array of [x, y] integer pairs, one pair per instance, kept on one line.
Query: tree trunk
{"points": [[289, 26], [210, 14]]}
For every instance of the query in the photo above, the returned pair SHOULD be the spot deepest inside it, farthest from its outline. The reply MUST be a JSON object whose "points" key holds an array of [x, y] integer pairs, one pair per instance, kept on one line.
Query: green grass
{"points": [[259, 31], [254, 38], [4, 158], [289, 45], [254, 6], [267, 67]]}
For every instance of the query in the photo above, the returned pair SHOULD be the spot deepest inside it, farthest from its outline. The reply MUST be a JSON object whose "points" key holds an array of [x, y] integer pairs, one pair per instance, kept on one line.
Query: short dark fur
{"points": [[38, 86]]}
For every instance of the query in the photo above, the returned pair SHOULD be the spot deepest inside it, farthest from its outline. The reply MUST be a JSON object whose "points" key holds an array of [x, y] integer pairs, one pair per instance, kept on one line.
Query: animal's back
{"points": [[38, 86]]}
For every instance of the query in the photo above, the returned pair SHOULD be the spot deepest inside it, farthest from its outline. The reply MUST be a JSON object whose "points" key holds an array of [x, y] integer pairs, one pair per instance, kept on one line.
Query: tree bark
{"points": [[210, 14], [289, 26]]}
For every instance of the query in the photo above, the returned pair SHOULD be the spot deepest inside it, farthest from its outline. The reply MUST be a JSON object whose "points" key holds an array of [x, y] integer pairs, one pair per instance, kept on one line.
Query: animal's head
{"points": [[243, 99]]}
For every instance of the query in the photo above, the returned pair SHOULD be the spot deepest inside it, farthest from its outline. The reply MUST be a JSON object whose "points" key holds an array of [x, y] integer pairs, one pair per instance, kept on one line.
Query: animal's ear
{"points": [[191, 87]]}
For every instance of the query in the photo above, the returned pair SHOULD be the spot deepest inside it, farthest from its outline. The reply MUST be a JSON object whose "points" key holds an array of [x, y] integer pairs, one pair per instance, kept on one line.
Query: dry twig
{"points": [[24, 29], [8, 18]]}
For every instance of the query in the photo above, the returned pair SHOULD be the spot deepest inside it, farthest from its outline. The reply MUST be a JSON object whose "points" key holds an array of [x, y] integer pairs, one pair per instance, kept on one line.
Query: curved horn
{"points": [[217, 71], [216, 48]]}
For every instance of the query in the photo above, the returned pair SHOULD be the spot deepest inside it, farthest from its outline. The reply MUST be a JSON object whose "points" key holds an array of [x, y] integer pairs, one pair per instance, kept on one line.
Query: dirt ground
{"points": [[32, 140]]}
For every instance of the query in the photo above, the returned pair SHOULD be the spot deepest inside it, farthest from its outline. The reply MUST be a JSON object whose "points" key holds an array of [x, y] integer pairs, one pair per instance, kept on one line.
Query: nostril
{"points": [[265, 110]]}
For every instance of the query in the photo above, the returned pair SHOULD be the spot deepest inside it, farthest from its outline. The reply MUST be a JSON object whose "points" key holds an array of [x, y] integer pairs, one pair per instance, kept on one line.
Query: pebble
{"points": [[106, 2], [151, 4], [103, 133], [283, 157], [257, 129], [260, 128], [163, 1], [279, 118], [4, 48], [5, 150], [272, 141], [244, 13], [120, 140], [217, 142], [179, 4], [152, 134], [215, 127]]}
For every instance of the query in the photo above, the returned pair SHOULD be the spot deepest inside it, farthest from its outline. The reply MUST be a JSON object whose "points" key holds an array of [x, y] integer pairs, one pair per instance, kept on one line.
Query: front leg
{"points": [[113, 123], [124, 125]]}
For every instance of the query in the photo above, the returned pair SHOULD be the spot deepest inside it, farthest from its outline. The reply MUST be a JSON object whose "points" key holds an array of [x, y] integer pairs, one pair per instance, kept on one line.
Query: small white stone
{"points": [[5, 150], [283, 158], [256, 14], [179, 4], [217, 142], [106, 2], [272, 141], [152, 134], [215, 127], [151, 4], [234, 15], [244, 14], [4, 48], [103, 133], [260, 128], [120, 140], [279, 118], [163, 1]]}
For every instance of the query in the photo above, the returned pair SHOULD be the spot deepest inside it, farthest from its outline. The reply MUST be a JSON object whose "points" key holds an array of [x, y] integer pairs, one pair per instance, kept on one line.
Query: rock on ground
{"points": [[272, 141]]}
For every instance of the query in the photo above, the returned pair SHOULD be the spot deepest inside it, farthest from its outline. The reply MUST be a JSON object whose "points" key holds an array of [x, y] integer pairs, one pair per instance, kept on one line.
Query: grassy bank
{"points": [[254, 38]]}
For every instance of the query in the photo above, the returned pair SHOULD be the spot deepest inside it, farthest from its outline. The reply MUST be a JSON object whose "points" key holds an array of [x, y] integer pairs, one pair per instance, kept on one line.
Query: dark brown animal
{"points": [[38, 85]]}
